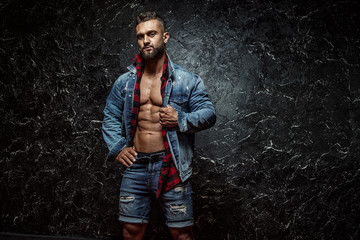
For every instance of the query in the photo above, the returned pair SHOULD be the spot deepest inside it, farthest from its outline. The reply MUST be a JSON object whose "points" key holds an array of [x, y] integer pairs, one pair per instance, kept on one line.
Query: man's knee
{"points": [[134, 230], [185, 233]]}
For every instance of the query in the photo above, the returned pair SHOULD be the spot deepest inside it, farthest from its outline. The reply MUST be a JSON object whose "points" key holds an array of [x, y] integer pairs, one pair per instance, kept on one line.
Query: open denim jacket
{"points": [[185, 92]]}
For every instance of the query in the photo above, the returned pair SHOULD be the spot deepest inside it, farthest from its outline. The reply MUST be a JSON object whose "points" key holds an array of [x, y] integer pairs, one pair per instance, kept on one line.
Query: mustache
{"points": [[147, 46]]}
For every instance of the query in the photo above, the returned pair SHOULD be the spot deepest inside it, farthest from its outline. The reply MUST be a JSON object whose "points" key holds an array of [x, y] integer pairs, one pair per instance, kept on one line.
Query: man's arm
{"points": [[112, 123]]}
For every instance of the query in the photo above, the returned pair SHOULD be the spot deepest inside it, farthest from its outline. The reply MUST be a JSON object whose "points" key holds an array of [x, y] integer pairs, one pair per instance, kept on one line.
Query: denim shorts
{"points": [[138, 193]]}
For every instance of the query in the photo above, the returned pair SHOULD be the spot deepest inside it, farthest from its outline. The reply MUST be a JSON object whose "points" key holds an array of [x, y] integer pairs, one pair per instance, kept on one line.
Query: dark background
{"points": [[282, 161]]}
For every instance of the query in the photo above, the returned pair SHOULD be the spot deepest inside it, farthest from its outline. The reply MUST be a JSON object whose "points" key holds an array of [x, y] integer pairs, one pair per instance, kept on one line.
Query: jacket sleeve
{"points": [[201, 113], [112, 123]]}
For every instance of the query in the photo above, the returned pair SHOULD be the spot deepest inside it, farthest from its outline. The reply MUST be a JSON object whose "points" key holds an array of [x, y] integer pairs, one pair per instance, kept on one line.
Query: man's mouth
{"points": [[147, 48]]}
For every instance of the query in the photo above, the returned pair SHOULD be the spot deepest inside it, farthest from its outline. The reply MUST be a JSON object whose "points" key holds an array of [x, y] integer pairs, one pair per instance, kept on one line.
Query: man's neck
{"points": [[155, 66]]}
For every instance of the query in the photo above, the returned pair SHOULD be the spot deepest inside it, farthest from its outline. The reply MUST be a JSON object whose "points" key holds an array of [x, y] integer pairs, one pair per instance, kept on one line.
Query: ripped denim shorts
{"points": [[138, 193]]}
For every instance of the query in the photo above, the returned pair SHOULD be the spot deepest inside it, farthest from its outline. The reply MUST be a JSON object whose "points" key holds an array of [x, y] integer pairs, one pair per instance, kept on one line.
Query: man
{"points": [[151, 115]]}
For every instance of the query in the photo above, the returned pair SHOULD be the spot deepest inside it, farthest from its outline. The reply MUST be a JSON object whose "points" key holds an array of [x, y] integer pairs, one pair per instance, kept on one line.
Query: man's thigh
{"points": [[177, 206], [135, 200]]}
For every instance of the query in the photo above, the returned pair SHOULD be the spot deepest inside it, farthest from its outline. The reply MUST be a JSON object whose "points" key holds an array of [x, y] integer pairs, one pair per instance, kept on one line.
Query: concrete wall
{"points": [[282, 161]]}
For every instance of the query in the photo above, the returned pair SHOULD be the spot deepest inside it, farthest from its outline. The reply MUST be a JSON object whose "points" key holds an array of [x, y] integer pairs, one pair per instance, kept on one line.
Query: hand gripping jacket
{"points": [[185, 92]]}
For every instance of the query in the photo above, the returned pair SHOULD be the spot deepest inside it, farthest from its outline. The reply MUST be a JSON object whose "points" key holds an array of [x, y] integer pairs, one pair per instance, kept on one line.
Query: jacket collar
{"points": [[132, 67]]}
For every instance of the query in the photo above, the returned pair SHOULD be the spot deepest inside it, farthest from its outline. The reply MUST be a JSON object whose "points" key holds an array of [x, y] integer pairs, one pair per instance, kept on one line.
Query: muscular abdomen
{"points": [[148, 135]]}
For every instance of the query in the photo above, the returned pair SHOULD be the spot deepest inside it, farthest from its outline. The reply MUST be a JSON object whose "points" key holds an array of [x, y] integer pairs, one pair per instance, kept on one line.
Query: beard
{"points": [[155, 53]]}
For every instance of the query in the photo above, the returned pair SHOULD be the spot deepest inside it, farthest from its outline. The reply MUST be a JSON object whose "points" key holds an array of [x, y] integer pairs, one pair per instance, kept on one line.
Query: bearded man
{"points": [[151, 115]]}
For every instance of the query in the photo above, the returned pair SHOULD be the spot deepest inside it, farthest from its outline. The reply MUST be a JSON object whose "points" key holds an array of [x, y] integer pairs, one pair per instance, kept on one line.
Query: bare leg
{"points": [[185, 233], [134, 231]]}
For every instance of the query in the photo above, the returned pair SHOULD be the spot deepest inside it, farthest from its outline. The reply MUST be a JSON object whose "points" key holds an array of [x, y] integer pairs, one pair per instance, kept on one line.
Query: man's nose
{"points": [[146, 39]]}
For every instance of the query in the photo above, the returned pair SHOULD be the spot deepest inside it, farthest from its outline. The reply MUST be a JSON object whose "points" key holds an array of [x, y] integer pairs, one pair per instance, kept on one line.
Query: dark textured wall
{"points": [[282, 162]]}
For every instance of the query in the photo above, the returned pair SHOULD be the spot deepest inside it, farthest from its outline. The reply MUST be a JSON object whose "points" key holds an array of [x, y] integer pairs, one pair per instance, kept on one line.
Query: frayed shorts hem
{"points": [[180, 224], [130, 219], [170, 224]]}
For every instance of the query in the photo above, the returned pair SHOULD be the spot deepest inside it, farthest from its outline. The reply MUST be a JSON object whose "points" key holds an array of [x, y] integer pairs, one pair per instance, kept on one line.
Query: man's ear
{"points": [[166, 37]]}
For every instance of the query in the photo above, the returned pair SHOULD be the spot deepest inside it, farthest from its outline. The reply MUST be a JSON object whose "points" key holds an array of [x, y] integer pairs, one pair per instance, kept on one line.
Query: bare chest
{"points": [[150, 91]]}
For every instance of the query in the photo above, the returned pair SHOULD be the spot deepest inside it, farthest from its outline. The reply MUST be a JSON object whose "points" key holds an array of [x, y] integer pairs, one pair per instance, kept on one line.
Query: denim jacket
{"points": [[185, 92]]}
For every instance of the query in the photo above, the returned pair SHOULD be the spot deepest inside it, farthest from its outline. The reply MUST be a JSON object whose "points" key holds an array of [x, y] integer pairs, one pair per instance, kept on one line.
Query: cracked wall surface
{"points": [[282, 161]]}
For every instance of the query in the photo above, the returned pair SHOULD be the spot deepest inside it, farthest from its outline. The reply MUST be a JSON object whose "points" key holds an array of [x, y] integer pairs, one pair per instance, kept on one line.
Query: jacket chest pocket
{"points": [[179, 102]]}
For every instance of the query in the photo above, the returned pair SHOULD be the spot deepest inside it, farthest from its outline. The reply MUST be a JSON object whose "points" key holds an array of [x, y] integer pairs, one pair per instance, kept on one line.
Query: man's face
{"points": [[151, 39]]}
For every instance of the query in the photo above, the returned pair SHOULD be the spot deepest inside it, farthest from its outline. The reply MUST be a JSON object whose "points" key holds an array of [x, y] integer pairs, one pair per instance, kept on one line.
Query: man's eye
{"points": [[140, 37], [152, 34]]}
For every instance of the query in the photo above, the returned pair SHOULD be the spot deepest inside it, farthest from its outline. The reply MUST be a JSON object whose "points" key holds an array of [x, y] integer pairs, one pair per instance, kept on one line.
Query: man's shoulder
{"points": [[123, 78], [181, 71]]}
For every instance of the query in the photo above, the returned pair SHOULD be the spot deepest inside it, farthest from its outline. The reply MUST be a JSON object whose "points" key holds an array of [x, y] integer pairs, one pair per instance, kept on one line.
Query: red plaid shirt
{"points": [[169, 175]]}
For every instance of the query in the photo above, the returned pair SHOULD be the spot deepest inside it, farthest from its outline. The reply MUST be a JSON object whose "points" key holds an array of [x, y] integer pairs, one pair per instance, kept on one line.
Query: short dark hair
{"points": [[146, 16]]}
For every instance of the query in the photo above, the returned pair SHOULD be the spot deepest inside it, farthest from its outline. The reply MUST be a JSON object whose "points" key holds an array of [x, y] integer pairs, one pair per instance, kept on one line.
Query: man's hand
{"points": [[168, 117], [127, 156]]}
